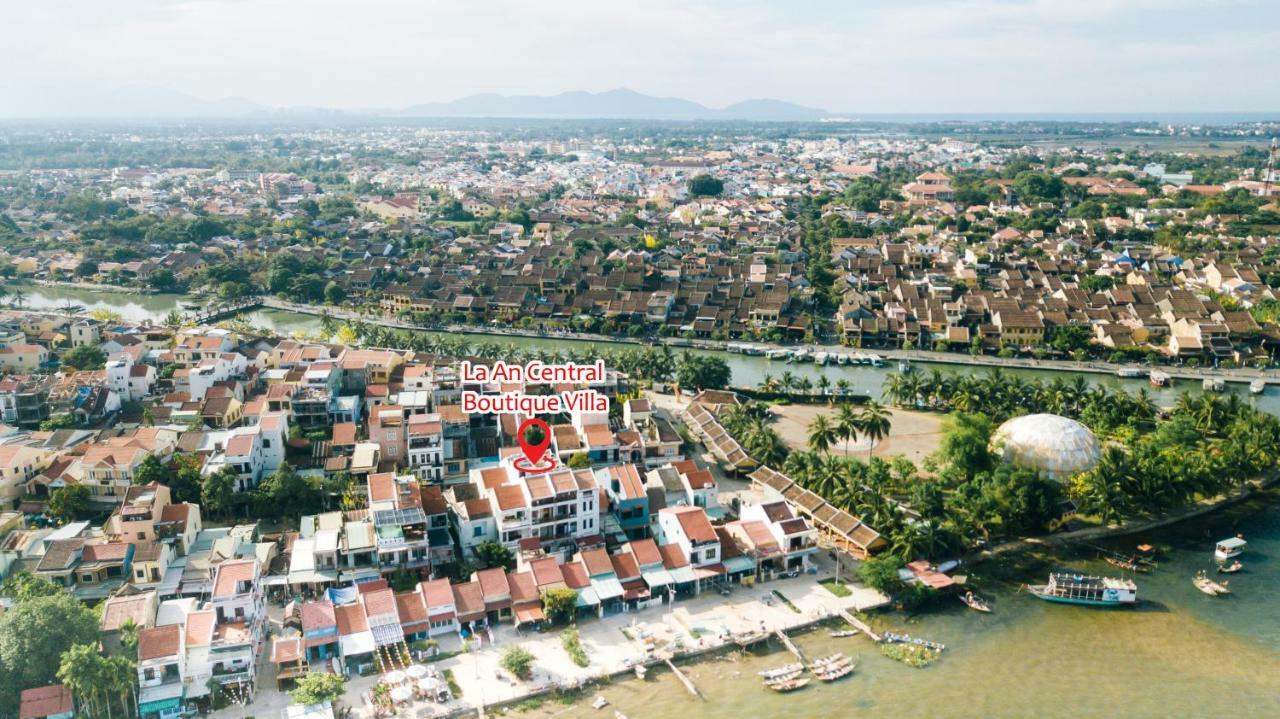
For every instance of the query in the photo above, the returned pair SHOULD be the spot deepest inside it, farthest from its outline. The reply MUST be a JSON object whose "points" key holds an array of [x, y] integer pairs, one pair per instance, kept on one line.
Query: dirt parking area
{"points": [[914, 435]]}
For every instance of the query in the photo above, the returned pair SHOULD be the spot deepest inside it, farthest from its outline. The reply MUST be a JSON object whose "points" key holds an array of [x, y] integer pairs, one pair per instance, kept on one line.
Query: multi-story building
{"points": [[426, 447]]}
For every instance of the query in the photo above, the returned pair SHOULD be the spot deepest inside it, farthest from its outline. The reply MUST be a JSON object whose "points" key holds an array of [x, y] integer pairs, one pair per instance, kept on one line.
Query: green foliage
{"points": [[70, 502], [572, 644], [218, 490], [25, 586], [152, 469], [579, 460], [881, 573], [102, 685], [317, 688], [705, 186], [35, 634], [518, 661], [494, 554], [558, 604], [702, 371], [85, 357]]}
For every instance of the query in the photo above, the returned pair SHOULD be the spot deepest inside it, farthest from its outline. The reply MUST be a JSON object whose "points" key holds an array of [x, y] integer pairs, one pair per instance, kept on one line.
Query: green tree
{"points": [[219, 490], [70, 502], [25, 586], [35, 634], [518, 661], [705, 186], [822, 434], [85, 357], [558, 604], [702, 371], [579, 460], [874, 422], [318, 688], [493, 554], [152, 469]]}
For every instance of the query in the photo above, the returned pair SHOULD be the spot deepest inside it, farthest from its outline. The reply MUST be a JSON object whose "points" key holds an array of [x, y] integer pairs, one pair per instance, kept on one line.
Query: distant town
{"points": [[200, 515]]}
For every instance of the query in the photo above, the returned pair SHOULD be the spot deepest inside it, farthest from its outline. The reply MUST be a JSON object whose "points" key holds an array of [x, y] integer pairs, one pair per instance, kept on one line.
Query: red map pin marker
{"points": [[533, 452]]}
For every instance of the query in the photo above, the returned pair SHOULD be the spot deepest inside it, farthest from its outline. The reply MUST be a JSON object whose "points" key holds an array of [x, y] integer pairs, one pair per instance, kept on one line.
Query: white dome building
{"points": [[1055, 446]]}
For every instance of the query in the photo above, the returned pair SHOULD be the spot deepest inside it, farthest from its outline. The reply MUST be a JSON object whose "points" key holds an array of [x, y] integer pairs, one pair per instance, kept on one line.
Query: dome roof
{"points": [[1056, 446]]}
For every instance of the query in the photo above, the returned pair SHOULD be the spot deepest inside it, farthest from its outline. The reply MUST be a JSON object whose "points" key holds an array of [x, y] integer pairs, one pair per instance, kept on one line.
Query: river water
{"points": [[1180, 654]]}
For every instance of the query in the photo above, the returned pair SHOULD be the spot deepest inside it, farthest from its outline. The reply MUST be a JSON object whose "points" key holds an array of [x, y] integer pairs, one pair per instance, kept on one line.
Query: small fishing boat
{"points": [[974, 602], [1208, 586], [1128, 563], [875, 360], [1158, 378], [827, 661], [908, 639], [820, 358], [842, 633], [783, 671], [778, 354], [802, 356], [1229, 548], [1230, 568], [1213, 384], [599, 703], [1258, 386], [836, 670], [1131, 372], [1091, 591], [789, 685]]}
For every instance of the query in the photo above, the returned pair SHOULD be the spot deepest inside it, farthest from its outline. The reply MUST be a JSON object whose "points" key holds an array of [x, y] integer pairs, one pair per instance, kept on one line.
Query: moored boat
{"points": [[1258, 386], [842, 633], [1133, 565], [1158, 378], [782, 672], [1213, 384], [1230, 568], [904, 366], [1229, 548], [789, 685], [1086, 590], [1131, 372]]}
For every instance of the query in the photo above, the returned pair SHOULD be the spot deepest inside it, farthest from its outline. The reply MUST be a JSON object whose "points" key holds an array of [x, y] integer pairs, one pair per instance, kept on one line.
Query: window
{"points": [[477, 531]]}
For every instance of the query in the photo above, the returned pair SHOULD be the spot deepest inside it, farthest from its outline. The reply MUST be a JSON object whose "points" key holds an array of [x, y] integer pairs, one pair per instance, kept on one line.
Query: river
{"points": [[1180, 653], [747, 371]]}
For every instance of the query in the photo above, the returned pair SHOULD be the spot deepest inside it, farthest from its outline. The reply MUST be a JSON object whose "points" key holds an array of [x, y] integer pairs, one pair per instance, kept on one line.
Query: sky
{"points": [[72, 57]]}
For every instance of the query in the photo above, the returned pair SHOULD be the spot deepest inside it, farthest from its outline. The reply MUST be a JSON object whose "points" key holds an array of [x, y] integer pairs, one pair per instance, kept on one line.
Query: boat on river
{"points": [[974, 602], [1092, 591], [1229, 548], [789, 685], [1208, 586], [1230, 568], [1158, 378], [1258, 386], [1131, 372], [891, 638], [1213, 384], [820, 358], [778, 354], [785, 671], [904, 366], [842, 633]]}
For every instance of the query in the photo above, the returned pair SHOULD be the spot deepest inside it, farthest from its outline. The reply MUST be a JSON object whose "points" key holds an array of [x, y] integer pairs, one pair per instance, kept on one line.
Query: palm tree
{"points": [[849, 424], [822, 434], [824, 384], [874, 422], [842, 386], [17, 298]]}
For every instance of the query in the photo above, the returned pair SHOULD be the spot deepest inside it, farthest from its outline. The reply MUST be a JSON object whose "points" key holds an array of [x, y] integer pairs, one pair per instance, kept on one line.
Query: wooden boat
{"points": [[1158, 378], [1230, 568], [1086, 590], [1131, 372], [1258, 386], [827, 661], [1132, 565], [908, 639], [836, 671], [842, 633], [1229, 548], [1213, 384], [1208, 586], [789, 685], [782, 671], [974, 602]]}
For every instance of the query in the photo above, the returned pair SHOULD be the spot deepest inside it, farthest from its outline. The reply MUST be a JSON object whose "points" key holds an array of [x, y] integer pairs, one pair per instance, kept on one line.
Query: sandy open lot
{"points": [[914, 435]]}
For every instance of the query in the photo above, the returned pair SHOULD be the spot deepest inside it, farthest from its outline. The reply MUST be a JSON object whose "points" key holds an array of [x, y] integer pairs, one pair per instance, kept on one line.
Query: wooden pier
{"points": [[790, 645], [859, 625], [224, 311], [686, 681]]}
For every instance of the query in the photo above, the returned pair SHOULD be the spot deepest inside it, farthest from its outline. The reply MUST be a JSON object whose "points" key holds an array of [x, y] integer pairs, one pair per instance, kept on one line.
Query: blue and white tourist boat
{"points": [[1087, 590]]}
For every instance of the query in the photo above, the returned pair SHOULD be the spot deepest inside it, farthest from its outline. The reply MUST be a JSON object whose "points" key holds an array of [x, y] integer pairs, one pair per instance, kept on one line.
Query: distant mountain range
{"points": [[614, 104], [147, 102]]}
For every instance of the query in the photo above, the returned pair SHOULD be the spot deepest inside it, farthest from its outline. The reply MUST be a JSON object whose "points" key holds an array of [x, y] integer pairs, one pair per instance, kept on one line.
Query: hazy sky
{"points": [[60, 56]]}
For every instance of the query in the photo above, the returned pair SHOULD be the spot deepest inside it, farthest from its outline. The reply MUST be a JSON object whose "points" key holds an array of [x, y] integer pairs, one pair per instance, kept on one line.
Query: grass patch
{"points": [[454, 689], [572, 644], [836, 588], [912, 655], [783, 598]]}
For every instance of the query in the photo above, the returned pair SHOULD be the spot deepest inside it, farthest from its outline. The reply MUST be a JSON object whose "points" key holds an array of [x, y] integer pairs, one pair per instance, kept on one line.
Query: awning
{"points": [[159, 705], [709, 571], [447, 617], [529, 613], [358, 643], [657, 578], [312, 577], [635, 590], [683, 575], [587, 597], [607, 588], [737, 565]]}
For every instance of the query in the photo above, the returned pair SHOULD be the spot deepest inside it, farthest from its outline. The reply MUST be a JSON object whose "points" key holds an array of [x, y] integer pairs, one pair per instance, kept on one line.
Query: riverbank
{"points": [[89, 287], [1242, 375]]}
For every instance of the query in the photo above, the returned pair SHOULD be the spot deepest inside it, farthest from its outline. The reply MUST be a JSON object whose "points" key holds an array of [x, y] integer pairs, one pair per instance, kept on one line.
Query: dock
{"points": [[790, 645], [224, 311], [859, 625], [686, 681]]}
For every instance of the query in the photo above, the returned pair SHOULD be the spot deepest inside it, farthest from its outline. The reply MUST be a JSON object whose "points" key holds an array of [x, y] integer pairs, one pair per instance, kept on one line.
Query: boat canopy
{"points": [[1232, 543]]}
